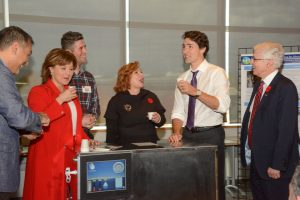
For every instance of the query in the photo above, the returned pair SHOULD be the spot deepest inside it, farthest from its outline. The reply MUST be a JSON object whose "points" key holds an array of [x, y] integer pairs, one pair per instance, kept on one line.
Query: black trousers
{"points": [[213, 136], [5, 195], [268, 189]]}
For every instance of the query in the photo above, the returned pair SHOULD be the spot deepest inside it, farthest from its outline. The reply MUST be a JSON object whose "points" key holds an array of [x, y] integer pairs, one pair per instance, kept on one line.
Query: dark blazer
{"points": [[275, 129]]}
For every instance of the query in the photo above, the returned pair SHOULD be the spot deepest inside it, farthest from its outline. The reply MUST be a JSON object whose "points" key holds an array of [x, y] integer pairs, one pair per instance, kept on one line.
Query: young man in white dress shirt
{"points": [[202, 122]]}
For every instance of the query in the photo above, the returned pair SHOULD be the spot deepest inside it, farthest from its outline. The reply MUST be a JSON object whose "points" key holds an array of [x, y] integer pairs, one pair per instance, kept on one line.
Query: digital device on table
{"points": [[104, 176]]}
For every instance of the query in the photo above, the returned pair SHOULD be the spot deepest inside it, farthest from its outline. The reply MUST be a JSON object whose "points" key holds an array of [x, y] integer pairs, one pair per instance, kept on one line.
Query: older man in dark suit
{"points": [[15, 49], [269, 137]]}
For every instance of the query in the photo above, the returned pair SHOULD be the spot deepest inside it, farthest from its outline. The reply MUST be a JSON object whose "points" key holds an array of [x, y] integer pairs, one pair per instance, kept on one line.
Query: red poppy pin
{"points": [[268, 89], [150, 100]]}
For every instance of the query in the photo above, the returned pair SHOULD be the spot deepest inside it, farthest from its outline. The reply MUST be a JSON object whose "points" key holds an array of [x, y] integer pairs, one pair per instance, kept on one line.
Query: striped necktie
{"points": [[254, 108]]}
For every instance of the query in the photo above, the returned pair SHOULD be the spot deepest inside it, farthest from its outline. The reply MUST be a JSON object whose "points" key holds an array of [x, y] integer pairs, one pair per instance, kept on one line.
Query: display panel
{"points": [[104, 175]]}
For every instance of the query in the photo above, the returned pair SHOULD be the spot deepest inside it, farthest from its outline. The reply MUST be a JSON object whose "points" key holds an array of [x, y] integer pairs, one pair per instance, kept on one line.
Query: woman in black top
{"points": [[126, 114]]}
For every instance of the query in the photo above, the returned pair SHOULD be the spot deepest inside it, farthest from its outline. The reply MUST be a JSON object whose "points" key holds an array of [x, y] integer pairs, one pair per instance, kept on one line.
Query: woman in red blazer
{"points": [[45, 176]]}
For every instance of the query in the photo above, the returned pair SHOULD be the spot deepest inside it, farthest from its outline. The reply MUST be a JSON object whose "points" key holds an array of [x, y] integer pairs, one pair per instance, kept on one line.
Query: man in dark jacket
{"points": [[269, 136]]}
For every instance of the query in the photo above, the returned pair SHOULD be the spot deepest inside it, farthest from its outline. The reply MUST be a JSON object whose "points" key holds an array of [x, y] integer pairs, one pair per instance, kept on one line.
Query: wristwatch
{"points": [[198, 93]]}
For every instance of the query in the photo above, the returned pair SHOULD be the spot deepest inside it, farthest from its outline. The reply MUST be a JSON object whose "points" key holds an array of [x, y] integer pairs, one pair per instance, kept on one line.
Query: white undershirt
{"points": [[74, 116]]}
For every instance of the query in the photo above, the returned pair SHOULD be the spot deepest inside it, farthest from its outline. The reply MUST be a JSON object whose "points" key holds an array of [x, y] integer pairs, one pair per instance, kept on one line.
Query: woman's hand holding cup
{"points": [[88, 120], [154, 116], [67, 95]]}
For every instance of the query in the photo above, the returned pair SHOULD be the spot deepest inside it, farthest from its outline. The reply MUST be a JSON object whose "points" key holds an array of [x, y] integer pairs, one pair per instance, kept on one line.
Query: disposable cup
{"points": [[150, 115], [84, 146]]}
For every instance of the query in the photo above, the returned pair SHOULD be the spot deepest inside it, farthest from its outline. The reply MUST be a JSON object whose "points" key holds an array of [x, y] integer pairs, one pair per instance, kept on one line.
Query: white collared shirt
{"points": [[267, 82], [212, 80]]}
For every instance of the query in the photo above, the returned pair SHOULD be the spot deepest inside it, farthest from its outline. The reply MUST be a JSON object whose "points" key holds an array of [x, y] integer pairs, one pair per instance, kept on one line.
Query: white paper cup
{"points": [[84, 148], [150, 115]]}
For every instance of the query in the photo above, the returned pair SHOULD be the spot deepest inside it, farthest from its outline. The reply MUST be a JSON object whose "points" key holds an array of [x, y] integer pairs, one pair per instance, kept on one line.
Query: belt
{"points": [[198, 129]]}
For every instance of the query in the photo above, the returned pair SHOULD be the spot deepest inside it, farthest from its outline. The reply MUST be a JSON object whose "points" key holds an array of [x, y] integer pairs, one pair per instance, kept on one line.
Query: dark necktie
{"points": [[192, 103], [254, 108]]}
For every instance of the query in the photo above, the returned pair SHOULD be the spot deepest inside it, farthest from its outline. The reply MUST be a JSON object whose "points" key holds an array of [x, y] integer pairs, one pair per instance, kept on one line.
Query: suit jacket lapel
{"points": [[272, 85]]}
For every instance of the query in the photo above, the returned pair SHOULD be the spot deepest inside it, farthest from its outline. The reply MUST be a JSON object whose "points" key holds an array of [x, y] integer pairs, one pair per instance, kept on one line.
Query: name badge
{"points": [[86, 89]]}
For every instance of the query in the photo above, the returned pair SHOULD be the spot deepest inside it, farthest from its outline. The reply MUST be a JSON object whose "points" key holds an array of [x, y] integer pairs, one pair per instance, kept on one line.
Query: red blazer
{"points": [[45, 177]]}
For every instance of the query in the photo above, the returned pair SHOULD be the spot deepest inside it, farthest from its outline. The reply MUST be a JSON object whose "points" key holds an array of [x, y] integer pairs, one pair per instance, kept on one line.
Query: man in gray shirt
{"points": [[15, 50]]}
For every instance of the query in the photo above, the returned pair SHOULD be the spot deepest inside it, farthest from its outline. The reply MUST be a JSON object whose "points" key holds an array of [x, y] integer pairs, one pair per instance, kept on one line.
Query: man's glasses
{"points": [[257, 59]]}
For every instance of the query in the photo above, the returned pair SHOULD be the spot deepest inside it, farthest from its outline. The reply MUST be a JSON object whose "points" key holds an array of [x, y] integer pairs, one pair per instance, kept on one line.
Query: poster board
{"points": [[291, 69]]}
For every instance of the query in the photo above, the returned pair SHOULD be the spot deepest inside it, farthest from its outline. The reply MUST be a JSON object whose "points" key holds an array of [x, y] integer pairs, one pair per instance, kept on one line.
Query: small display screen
{"points": [[108, 175]]}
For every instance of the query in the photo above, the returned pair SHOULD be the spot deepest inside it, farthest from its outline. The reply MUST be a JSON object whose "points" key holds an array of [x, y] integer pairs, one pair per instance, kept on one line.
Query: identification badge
{"points": [[86, 89]]}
